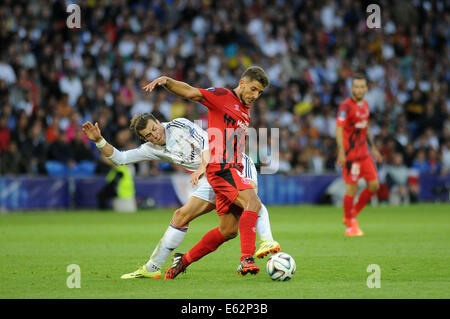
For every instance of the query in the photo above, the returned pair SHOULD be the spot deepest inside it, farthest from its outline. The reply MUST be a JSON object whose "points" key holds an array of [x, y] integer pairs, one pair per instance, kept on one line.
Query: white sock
{"points": [[263, 224], [172, 239]]}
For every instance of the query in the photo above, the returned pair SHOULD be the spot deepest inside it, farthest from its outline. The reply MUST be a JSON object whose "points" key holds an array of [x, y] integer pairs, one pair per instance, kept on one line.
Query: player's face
{"points": [[154, 132], [251, 91], [359, 89]]}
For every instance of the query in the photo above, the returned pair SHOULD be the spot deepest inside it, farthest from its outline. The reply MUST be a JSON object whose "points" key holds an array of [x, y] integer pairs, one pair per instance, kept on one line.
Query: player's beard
{"points": [[358, 98]]}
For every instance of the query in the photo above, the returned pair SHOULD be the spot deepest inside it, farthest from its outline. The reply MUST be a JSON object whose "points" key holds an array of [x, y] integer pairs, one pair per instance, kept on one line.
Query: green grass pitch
{"points": [[410, 244]]}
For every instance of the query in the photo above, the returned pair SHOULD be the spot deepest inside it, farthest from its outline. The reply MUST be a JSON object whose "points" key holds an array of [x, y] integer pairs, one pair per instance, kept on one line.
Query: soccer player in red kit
{"points": [[352, 136], [237, 203]]}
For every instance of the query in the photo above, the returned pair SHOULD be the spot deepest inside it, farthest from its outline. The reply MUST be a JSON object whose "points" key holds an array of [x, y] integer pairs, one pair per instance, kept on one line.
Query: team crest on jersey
{"points": [[236, 107]]}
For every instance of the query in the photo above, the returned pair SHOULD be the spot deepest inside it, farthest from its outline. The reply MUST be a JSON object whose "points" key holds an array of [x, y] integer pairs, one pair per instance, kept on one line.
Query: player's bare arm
{"points": [[176, 87], [195, 176], [340, 145], [94, 134], [375, 152]]}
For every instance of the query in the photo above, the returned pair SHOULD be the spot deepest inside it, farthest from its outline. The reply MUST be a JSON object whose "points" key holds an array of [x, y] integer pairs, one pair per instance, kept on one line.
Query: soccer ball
{"points": [[280, 267]]}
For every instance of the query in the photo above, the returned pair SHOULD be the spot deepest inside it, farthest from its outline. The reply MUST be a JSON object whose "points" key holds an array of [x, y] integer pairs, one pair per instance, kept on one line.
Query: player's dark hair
{"points": [[256, 73], [359, 76], [139, 122]]}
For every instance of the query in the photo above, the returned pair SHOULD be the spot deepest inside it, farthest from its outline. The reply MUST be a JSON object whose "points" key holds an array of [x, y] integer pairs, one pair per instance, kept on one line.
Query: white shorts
{"points": [[204, 191]]}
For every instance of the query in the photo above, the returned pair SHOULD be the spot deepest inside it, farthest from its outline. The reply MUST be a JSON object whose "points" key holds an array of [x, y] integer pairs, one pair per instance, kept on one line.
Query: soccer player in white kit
{"points": [[184, 143]]}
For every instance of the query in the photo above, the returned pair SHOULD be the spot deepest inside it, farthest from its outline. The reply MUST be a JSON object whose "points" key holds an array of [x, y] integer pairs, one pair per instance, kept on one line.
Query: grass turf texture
{"points": [[410, 244]]}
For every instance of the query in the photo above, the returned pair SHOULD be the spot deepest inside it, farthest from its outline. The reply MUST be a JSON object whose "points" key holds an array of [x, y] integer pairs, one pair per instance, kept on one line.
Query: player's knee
{"points": [[351, 190], [228, 232], [373, 188], [179, 218], [254, 204]]}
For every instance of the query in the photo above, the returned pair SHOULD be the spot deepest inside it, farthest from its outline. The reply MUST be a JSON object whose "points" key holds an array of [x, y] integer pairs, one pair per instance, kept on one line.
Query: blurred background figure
{"points": [[118, 191], [397, 181]]}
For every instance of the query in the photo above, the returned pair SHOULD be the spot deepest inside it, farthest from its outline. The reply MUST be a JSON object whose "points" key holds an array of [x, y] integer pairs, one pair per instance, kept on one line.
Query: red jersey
{"points": [[354, 117], [228, 120]]}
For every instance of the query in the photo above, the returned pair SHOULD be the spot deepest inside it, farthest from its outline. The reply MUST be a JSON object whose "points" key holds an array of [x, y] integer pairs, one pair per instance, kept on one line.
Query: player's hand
{"points": [[92, 131], [341, 158], [196, 176], [377, 155], [159, 81]]}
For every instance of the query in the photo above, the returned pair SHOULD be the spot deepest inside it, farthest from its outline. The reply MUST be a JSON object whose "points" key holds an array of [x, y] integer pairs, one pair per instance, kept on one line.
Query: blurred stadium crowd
{"points": [[53, 78]]}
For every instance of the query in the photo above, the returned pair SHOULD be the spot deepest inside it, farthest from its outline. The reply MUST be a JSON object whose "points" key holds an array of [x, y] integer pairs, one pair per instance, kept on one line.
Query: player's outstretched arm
{"points": [[176, 87], [94, 134], [114, 155]]}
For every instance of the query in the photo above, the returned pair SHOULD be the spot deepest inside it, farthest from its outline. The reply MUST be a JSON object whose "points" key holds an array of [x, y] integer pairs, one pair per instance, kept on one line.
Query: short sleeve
{"points": [[213, 97], [342, 114]]}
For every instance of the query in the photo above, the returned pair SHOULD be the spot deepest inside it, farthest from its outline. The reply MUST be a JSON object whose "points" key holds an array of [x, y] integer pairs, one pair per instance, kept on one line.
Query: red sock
{"points": [[348, 205], [247, 230], [363, 199], [207, 244]]}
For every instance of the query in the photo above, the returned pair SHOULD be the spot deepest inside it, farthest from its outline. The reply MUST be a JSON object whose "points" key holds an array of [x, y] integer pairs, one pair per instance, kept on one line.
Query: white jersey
{"points": [[185, 142]]}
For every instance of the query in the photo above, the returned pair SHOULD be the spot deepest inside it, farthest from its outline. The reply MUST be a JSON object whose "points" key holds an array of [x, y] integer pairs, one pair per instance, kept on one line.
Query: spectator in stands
{"points": [[434, 161], [60, 155], [5, 133], [38, 149], [12, 162], [80, 147], [409, 154], [420, 162], [446, 158], [71, 84], [7, 72]]}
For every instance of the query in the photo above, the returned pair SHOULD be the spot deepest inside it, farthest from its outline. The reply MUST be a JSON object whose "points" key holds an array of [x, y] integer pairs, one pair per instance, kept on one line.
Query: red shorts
{"points": [[354, 170], [226, 184]]}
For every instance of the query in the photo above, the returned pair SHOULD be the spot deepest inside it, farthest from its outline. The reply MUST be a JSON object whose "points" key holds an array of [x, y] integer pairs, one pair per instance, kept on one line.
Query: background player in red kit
{"points": [[352, 136], [237, 203]]}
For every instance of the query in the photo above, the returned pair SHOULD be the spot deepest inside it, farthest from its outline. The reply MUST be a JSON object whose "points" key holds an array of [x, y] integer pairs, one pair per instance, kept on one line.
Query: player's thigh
{"points": [[351, 174], [194, 208], [369, 173], [248, 199], [230, 185], [229, 224]]}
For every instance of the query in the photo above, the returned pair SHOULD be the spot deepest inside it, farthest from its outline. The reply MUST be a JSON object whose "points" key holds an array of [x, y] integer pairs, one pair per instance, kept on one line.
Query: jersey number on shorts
{"points": [[355, 170]]}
